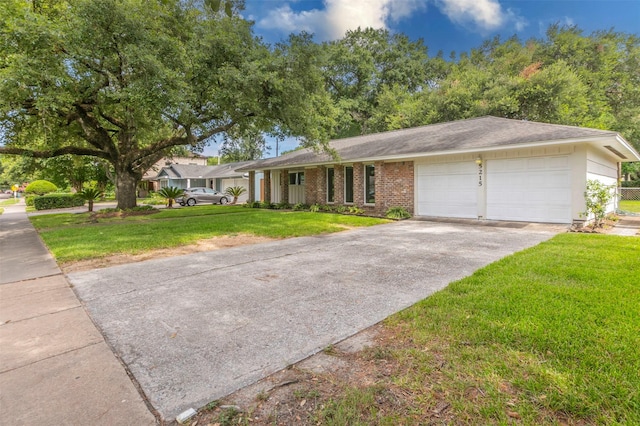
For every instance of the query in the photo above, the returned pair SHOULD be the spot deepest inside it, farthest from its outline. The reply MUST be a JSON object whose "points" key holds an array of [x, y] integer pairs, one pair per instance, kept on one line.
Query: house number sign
{"points": [[480, 174]]}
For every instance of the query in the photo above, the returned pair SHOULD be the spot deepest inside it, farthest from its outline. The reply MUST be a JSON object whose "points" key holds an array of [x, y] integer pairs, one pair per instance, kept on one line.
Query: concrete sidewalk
{"points": [[55, 367]]}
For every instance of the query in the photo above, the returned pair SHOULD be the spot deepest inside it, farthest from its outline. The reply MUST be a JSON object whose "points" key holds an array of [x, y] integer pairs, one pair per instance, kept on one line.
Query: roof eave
{"points": [[614, 139]]}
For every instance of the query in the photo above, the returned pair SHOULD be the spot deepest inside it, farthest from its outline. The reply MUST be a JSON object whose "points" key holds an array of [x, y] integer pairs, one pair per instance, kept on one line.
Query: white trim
{"points": [[353, 186], [413, 156], [364, 183], [327, 185]]}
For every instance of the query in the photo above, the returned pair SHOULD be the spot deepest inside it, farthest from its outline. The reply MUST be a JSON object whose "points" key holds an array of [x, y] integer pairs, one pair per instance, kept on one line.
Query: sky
{"points": [[447, 25]]}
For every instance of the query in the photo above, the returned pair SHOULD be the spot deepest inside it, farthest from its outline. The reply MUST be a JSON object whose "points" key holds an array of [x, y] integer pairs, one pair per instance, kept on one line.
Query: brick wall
{"points": [[284, 186], [267, 186], [394, 186]]}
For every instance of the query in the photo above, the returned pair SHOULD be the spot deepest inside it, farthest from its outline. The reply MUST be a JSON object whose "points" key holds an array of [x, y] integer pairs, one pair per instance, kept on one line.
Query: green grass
{"points": [[9, 202], [549, 335], [630, 206], [73, 237]]}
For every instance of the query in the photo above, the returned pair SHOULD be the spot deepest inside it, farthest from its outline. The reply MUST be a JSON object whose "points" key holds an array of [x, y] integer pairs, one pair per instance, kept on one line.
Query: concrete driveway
{"points": [[195, 328]]}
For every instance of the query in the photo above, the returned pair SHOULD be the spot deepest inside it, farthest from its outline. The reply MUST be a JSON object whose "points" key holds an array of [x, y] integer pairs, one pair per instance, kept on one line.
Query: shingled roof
{"points": [[193, 171], [476, 134]]}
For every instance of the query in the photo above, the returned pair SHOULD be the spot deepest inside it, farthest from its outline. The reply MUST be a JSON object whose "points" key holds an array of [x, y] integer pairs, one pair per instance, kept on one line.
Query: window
{"points": [[348, 184], [330, 188], [296, 178], [369, 184]]}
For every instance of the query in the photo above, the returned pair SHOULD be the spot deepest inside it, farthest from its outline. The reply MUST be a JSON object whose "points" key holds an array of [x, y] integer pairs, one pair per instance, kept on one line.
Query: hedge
{"points": [[57, 201]]}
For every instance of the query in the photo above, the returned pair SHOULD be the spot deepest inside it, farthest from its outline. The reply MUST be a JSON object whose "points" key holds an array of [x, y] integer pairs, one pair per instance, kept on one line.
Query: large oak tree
{"points": [[127, 80]]}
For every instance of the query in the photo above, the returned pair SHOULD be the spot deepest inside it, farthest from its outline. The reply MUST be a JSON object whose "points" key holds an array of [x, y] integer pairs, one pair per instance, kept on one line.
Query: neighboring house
{"points": [[149, 184], [217, 177], [481, 168]]}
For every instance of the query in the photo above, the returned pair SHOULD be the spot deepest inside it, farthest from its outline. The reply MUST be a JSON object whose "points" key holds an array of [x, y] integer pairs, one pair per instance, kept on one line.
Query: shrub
{"points": [[397, 213], [57, 201], [170, 193], [355, 210], [235, 192], [91, 195], [265, 205], [253, 204], [630, 183], [315, 208], [341, 209], [40, 187], [28, 199], [283, 206], [300, 206], [597, 196]]}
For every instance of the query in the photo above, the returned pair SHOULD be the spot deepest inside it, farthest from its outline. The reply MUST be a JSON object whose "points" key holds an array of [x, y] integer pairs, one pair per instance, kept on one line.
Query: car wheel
{"points": [[191, 202], [223, 200]]}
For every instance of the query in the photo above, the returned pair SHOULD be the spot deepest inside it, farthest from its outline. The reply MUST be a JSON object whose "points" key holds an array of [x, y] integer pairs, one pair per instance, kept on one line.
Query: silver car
{"points": [[197, 195]]}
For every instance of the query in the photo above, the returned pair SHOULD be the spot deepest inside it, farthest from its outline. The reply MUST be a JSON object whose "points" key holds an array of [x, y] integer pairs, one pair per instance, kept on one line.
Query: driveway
{"points": [[195, 328]]}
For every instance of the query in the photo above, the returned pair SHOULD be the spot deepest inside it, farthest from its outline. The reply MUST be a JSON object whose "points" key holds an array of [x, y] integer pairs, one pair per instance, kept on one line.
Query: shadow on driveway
{"points": [[195, 328]]}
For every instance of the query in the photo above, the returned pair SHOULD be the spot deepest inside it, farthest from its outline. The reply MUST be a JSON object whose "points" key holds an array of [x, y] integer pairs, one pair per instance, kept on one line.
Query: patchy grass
{"points": [[630, 206], [73, 237], [549, 335]]}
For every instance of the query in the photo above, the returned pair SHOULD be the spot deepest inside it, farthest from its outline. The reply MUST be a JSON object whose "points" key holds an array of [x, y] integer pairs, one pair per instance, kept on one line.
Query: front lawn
{"points": [[73, 237], [549, 335], [630, 206]]}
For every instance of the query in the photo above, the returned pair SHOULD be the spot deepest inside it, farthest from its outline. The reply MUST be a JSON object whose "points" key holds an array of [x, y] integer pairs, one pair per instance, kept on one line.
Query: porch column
{"points": [[267, 186], [252, 187], [284, 184]]}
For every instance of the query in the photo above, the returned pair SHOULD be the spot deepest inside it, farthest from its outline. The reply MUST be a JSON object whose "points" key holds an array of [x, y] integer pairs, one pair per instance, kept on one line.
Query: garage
{"points": [[534, 189], [447, 190]]}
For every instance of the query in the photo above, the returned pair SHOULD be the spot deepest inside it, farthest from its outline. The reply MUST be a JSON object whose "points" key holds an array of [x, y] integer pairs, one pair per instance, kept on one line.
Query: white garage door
{"points": [[536, 189], [448, 190]]}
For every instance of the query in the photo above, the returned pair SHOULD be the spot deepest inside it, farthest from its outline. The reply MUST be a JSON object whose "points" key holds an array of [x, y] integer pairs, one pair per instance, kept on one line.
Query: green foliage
{"points": [[266, 205], [235, 192], [630, 183], [170, 193], [597, 197], [252, 205], [190, 72], [397, 213], [57, 201], [342, 209], [29, 199], [40, 187], [300, 207], [315, 208], [355, 210], [90, 195], [283, 206]]}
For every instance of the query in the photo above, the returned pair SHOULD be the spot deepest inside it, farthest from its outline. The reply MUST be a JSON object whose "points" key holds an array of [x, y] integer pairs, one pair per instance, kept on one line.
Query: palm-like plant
{"points": [[90, 195], [170, 193], [235, 192]]}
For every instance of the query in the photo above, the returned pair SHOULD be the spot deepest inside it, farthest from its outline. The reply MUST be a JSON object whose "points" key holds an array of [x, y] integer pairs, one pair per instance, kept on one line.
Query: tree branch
{"points": [[74, 150]]}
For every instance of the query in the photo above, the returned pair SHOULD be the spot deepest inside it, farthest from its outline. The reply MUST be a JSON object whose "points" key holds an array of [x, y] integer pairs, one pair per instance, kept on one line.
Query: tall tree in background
{"points": [[125, 81], [363, 65], [250, 145]]}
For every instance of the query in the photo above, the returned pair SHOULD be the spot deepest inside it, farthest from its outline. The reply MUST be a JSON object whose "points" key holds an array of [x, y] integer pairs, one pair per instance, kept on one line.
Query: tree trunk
{"points": [[126, 185], [90, 205]]}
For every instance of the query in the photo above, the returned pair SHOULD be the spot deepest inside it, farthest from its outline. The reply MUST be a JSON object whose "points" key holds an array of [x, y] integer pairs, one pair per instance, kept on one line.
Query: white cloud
{"points": [[485, 14], [339, 16]]}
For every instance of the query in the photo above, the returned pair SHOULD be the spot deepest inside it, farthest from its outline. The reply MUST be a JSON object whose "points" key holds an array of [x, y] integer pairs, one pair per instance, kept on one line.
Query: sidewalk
{"points": [[55, 366]]}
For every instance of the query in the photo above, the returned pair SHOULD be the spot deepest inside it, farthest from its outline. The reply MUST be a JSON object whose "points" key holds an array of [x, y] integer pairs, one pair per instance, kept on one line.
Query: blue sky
{"points": [[447, 25]]}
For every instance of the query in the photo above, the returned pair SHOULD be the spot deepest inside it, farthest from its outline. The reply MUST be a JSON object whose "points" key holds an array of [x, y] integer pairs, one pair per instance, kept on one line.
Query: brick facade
{"points": [[267, 186], [252, 187], [394, 186], [284, 185]]}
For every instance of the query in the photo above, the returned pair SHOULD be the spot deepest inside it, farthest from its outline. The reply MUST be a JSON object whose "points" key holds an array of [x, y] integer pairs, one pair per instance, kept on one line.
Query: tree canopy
{"points": [[127, 80]]}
